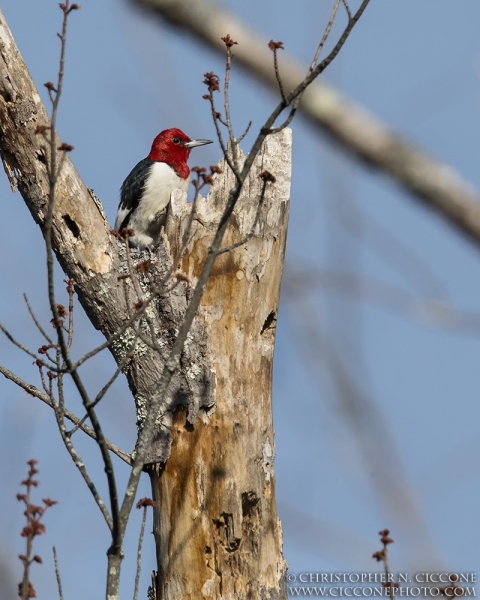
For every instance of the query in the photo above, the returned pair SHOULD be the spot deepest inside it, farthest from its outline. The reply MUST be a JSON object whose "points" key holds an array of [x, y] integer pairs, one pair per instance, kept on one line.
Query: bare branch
{"points": [[233, 144], [431, 182], [18, 344], [288, 120], [121, 365], [53, 174], [42, 379], [33, 528], [274, 47], [387, 246], [140, 544], [57, 574], [33, 391], [133, 279], [254, 225], [432, 312], [35, 320], [325, 35], [59, 414], [382, 556], [245, 132], [347, 8], [70, 291], [315, 72], [212, 81]]}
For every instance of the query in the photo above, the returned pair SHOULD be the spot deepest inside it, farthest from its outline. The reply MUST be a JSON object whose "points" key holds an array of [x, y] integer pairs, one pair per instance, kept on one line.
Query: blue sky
{"points": [[415, 65]]}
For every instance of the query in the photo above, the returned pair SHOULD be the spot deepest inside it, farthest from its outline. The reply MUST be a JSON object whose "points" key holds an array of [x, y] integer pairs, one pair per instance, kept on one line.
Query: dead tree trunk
{"points": [[218, 535], [219, 532]]}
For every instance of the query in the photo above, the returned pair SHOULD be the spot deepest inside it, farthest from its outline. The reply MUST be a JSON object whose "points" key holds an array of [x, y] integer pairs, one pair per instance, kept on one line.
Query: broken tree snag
{"points": [[219, 535]]}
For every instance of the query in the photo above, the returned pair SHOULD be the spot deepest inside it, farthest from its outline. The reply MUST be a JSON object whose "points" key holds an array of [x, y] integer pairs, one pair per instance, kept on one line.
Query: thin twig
{"points": [[57, 574], [151, 343], [298, 98], [428, 311], [121, 365], [294, 94], [245, 132], [382, 556], [34, 391], [35, 320], [173, 286], [148, 341], [139, 552], [228, 118], [70, 291], [42, 379], [347, 8], [29, 537], [50, 383], [274, 47], [325, 35], [213, 83], [24, 348], [220, 137], [34, 527], [59, 414], [252, 230], [289, 119], [112, 339]]}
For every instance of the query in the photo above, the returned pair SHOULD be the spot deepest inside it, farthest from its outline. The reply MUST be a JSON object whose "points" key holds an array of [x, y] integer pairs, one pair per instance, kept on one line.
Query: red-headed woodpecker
{"points": [[145, 193]]}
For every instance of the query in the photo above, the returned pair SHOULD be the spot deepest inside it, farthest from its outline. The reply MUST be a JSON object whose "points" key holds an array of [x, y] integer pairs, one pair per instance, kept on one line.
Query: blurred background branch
{"points": [[358, 132]]}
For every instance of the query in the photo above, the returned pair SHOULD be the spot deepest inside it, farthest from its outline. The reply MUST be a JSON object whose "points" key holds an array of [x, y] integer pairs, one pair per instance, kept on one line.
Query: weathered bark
{"points": [[219, 535], [219, 531]]}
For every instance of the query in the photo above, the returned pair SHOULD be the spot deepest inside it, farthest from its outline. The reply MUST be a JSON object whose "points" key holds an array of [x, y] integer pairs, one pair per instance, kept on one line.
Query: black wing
{"points": [[131, 192]]}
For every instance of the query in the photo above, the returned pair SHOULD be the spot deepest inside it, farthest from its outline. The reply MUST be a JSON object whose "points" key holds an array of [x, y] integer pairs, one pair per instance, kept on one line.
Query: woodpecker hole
{"points": [[70, 223], [269, 321], [41, 157]]}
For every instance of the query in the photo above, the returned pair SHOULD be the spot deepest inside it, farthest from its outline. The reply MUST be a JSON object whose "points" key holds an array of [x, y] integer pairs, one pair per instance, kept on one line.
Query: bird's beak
{"points": [[194, 143]]}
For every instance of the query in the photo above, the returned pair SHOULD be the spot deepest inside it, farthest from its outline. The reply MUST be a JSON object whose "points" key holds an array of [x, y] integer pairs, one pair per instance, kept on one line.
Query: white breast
{"points": [[150, 215]]}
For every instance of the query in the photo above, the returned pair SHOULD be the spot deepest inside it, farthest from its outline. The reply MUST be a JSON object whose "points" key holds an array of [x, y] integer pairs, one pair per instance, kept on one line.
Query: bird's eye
{"points": [[176, 140]]}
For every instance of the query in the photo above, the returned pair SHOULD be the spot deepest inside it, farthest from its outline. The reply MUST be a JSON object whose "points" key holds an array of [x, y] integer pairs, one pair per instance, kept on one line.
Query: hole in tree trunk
{"points": [[269, 321], [41, 157], [70, 223]]}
